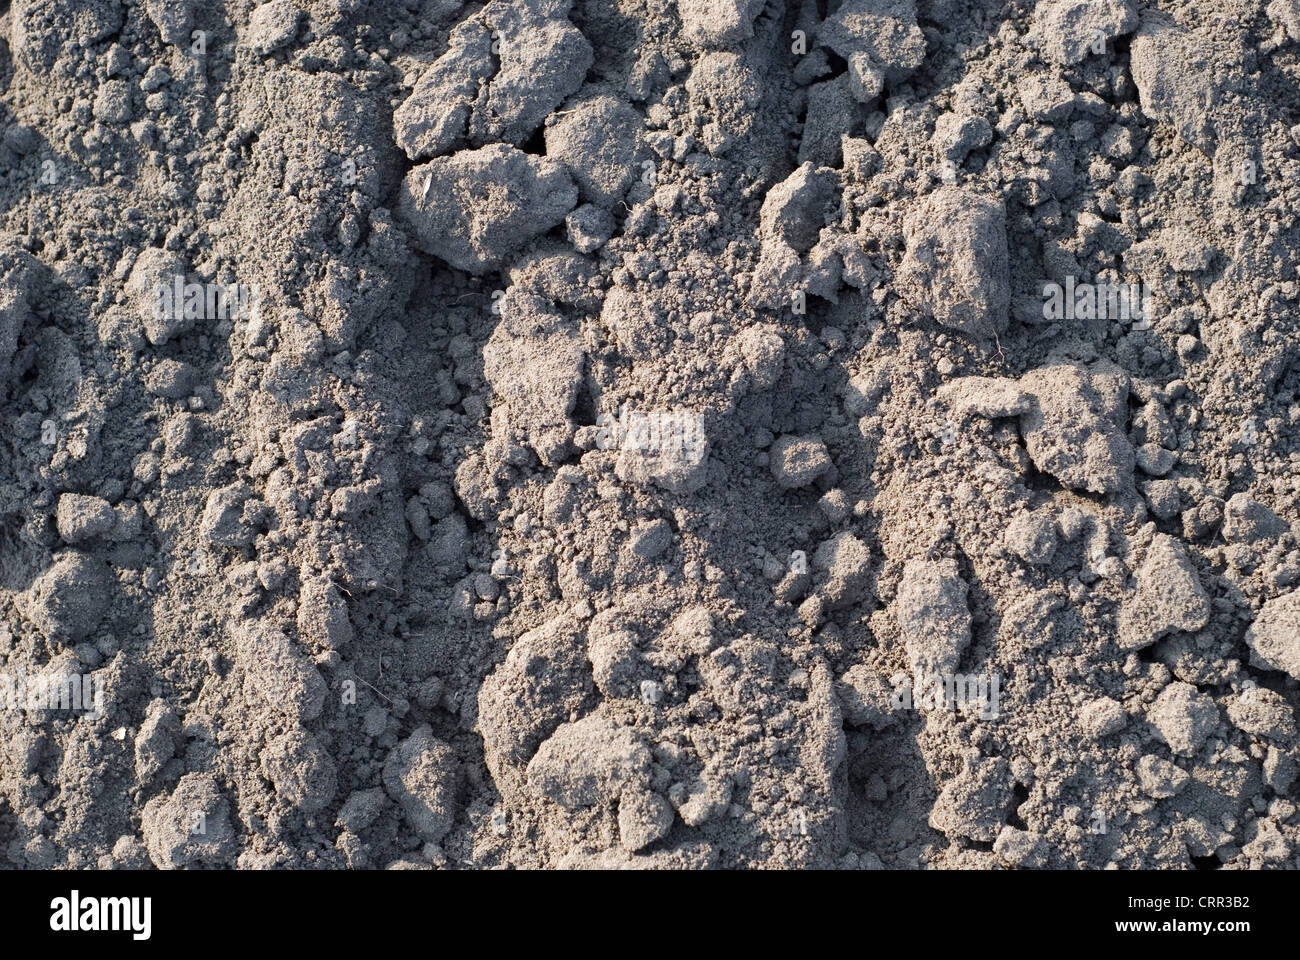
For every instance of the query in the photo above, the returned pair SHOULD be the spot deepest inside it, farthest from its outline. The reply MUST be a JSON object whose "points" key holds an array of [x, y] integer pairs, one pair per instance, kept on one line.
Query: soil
{"points": [[846, 434]]}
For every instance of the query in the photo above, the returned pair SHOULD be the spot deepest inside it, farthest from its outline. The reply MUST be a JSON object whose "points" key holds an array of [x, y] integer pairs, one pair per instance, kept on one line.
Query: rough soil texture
{"points": [[568, 426]]}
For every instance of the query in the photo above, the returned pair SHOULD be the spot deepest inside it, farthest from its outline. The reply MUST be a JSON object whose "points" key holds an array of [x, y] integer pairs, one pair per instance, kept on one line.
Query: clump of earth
{"points": [[849, 434]]}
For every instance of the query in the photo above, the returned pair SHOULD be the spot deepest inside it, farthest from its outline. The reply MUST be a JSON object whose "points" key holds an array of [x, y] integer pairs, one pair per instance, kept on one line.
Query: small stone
{"points": [[300, 769], [69, 599], [1154, 460], [1163, 498], [974, 803], [223, 521], [80, 517], [279, 672], [1169, 597], [644, 817], [1020, 848], [476, 207], [651, 539], [1102, 717], [588, 761], [420, 776], [1274, 637], [1160, 778], [652, 693], [1031, 535], [191, 825], [589, 227], [1068, 31], [113, 103], [1184, 717], [844, 563], [323, 615], [956, 266], [1249, 521], [933, 618], [798, 461], [171, 379], [955, 136], [273, 25], [361, 809]]}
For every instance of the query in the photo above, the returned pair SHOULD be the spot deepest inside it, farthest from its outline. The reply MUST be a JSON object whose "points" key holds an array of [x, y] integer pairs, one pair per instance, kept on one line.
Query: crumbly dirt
{"points": [[587, 433]]}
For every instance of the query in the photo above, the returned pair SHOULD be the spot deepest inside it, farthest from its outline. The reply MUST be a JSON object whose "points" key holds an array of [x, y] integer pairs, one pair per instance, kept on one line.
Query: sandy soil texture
{"points": [[649, 433]]}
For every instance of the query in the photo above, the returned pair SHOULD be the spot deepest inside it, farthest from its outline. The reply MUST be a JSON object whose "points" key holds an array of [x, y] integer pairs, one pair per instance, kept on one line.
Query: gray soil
{"points": [[632, 402]]}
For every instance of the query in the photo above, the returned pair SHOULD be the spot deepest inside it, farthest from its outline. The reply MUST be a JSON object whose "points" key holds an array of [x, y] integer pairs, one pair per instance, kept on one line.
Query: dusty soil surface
{"points": [[712, 433]]}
